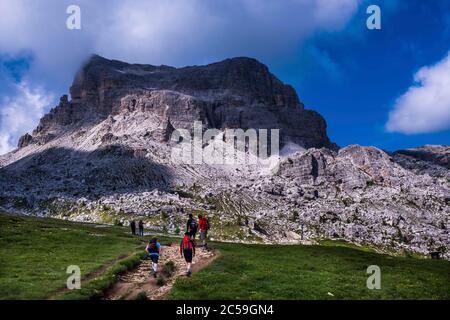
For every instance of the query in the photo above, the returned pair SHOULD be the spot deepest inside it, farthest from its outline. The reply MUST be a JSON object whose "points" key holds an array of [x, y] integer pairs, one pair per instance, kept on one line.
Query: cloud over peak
{"points": [[425, 107], [174, 32]]}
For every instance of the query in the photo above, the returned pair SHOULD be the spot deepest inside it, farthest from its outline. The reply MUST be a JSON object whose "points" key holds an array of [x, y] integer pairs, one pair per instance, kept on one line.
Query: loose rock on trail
{"points": [[139, 283]]}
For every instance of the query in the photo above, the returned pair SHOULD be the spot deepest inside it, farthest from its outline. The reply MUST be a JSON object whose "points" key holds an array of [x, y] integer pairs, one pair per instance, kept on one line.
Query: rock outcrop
{"points": [[25, 140], [439, 155], [430, 160]]}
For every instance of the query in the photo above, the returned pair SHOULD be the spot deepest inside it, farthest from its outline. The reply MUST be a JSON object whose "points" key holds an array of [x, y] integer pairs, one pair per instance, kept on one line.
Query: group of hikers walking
{"points": [[187, 244], [140, 225]]}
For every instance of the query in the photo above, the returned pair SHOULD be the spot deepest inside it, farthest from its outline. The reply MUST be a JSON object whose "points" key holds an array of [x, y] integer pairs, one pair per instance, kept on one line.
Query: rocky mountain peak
{"points": [[234, 93]]}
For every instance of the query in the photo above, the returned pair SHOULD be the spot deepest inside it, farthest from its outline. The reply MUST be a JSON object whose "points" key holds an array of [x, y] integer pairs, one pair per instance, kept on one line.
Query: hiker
{"points": [[203, 224], [141, 228], [133, 227], [152, 250], [192, 226], [187, 250]]}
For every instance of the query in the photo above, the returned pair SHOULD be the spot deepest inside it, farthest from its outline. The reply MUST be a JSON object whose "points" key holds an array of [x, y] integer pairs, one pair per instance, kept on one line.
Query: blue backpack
{"points": [[153, 248]]}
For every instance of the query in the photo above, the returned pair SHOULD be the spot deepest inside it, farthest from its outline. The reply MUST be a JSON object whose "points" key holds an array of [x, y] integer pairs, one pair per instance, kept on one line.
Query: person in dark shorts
{"points": [[133, 227], [203, 224], [191, 226], [152, 250], [141, 228], [187, 250]]}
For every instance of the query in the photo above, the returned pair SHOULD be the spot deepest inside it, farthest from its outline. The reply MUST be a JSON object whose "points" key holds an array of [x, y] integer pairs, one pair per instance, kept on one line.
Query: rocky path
{"points": [[139, 283]]}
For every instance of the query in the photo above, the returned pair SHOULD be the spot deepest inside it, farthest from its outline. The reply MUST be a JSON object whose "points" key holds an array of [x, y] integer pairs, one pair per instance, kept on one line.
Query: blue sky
{"points": [[385, 87], [366, 71]]}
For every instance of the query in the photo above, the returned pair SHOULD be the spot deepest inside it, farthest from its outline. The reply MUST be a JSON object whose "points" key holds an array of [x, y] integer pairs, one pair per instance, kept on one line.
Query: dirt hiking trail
{"points": [[140, 284], [59, 293]]}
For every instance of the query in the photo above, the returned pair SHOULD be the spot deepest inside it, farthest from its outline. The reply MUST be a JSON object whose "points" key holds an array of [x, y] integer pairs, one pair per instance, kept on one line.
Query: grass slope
{"points": [[35, 253], [312, 272]]}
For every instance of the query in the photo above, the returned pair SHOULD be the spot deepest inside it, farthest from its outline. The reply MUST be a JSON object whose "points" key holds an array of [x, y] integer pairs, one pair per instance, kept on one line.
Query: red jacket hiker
{"points": [[187, 246], [203, 224], [187, 250]]}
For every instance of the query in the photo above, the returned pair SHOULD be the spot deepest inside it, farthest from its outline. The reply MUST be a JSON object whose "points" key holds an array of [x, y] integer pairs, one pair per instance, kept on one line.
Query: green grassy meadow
{"points": [[313, 272], [35, 253]]}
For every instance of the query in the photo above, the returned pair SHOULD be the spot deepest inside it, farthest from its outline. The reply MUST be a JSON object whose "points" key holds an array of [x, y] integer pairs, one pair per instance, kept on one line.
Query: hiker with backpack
{"points": [[203, 224], [141, 228], [187, 250], [133, 227], [152, 250], [192, 226]]}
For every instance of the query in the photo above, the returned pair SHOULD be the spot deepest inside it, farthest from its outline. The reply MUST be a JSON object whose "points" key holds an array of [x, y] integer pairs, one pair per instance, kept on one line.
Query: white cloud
{"points": [[425, 107], [177, 32], [20, 114], [199, 31]]}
